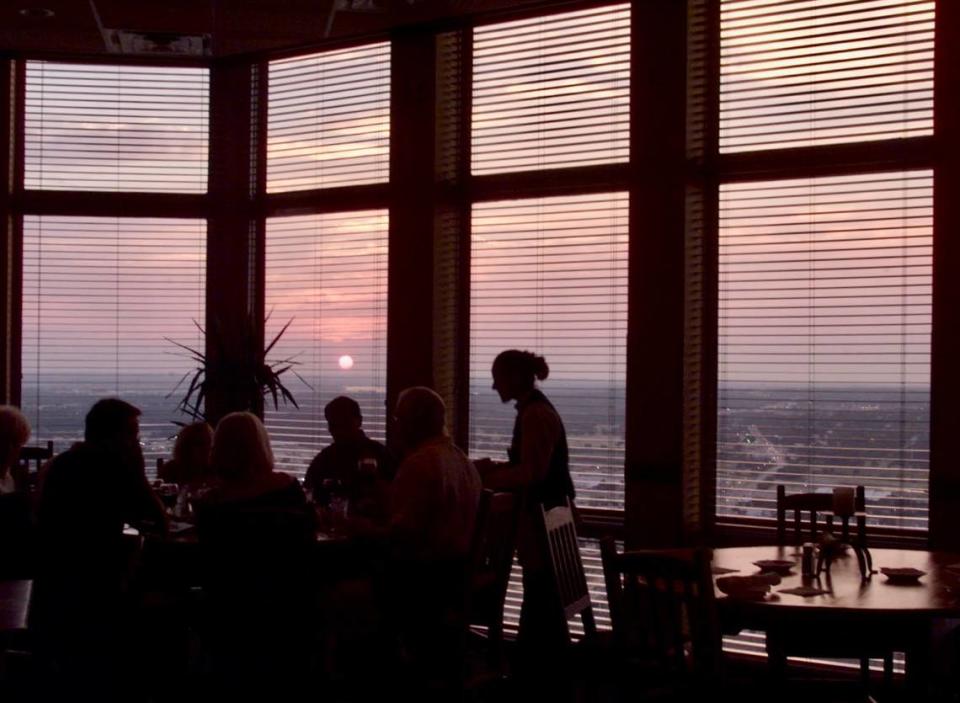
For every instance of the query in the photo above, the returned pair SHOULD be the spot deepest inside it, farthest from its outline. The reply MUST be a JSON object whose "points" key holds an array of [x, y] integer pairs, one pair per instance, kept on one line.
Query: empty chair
{"points": [[663, 613], [491, 560], [798, 642], [257, 586], [566, 567], [814, 505]]}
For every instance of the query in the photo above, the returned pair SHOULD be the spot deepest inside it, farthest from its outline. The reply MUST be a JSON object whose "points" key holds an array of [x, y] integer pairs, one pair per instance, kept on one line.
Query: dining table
{"points": [[881, 612]]}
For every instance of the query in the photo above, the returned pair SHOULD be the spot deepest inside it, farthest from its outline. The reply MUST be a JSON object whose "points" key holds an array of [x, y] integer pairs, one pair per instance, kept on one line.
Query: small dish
{"points": [[776, 566], [744, 587], [906, 574]]}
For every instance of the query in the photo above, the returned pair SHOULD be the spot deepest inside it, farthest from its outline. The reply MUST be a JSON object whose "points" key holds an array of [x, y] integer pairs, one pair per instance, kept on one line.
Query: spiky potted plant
{"points": [[236, 375]]}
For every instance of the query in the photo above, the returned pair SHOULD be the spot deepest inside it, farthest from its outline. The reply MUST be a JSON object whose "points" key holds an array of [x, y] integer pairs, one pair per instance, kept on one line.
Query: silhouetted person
{"points": [[16, 521], [87, 493], [434, 500], [190, 465], [353, 466], [256, 535], [14, 433], [538, 468]]}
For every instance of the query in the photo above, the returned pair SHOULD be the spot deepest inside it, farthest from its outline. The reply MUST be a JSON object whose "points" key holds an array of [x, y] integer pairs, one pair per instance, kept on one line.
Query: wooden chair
{"points": [[491, 561], [566, 567], [815, 504], [814, 644], [663, 614]]}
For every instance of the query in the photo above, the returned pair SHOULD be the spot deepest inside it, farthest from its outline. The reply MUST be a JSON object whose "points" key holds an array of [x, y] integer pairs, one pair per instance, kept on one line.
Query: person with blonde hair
{"points": [[242, 461], [14, 433]]}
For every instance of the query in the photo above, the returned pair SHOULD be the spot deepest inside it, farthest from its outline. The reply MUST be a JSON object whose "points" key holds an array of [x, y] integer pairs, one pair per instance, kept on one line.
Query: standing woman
{"points": [[538, 468]]}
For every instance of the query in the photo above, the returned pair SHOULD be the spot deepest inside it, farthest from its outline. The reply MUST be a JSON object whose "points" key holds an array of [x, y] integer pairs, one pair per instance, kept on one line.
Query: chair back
{"points": [[566, 566], [491, 560], [31, 459], [813, 504], [256, 577], [662, 607]]}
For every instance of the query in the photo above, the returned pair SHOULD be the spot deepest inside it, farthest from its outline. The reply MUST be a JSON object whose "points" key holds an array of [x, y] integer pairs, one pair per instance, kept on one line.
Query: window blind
{"points": [[552, 91], [329, 119], [328, 275], [824, 342], [101, 297], [115, 128], [550, 275], [814, 72]]}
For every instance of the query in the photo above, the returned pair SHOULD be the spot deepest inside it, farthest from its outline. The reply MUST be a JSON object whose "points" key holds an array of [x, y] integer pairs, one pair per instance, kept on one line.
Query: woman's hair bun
{"points": [[540, 368]]}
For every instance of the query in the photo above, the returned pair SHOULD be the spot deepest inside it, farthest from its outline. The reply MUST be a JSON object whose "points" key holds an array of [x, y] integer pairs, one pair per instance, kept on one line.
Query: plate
{"points": [[743, 587], [777, 566], [905, 574]]}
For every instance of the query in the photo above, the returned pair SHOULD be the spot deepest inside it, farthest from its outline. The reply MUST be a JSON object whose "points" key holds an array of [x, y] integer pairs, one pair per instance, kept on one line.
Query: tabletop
{"points": [[937, 593]]}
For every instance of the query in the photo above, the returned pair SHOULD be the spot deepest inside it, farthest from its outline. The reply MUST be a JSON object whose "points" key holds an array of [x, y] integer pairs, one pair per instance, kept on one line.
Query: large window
{"points": [[552, 92], [102, 300], [326, 275], [550, 275], [329, 119], [116, 128], [825, 283]]}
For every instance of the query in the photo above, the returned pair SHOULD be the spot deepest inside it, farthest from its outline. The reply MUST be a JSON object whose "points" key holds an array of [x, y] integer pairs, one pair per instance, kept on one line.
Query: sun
{"points": [[346, 362]]}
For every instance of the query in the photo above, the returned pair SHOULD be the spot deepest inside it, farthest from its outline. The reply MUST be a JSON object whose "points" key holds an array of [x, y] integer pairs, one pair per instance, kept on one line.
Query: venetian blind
{"points": [[115, 128], [824, 71], [824, 342], [327, 276], [329, 119], [552, 91], [102, 297], [550, 275]]}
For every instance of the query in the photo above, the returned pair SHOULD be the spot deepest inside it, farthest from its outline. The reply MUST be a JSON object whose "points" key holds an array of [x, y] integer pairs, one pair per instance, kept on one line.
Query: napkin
{"points": [[804, 591], [720, 570]]}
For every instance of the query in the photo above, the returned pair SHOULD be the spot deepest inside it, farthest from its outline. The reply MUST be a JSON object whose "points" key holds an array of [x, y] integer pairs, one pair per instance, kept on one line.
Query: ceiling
{"points": [[234, 26]]}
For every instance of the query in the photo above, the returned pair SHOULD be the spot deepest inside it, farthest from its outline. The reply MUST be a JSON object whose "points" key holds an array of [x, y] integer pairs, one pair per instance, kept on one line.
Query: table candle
{"points": [[843, 501]]}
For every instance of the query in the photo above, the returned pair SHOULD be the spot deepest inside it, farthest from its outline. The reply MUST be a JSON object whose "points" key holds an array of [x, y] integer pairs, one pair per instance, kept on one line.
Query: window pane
{"points": [[550, 275], [824, 342], [552, 91], [329, 119], [116, 128], [327, 276], [102, 300], [813, 72]]}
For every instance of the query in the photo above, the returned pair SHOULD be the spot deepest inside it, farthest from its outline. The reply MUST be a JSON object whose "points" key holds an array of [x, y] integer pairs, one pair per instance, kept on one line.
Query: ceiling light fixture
{"points": [[37, 13]]}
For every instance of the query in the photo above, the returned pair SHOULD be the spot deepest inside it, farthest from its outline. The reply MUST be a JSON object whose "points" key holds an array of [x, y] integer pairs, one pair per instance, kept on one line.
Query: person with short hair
{"points": [[79, 612], [355, 466], [434, 502]]}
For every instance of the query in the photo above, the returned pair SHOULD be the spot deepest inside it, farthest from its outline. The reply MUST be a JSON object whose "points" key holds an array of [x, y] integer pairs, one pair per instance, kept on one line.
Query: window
{"points": [[552, 92], [825, 283], [115, 128], [102, 300], [817, 72], [327, 276], [329, 119], [550, 275], [825, 305]]}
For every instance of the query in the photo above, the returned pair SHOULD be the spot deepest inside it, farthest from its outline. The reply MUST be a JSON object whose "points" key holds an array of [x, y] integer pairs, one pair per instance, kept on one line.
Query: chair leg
{"points": [[888, 671], [865, 674]]}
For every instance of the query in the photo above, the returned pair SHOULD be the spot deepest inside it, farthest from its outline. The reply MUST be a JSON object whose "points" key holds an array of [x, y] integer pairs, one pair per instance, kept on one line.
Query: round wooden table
{"points": [[877, 612]]}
